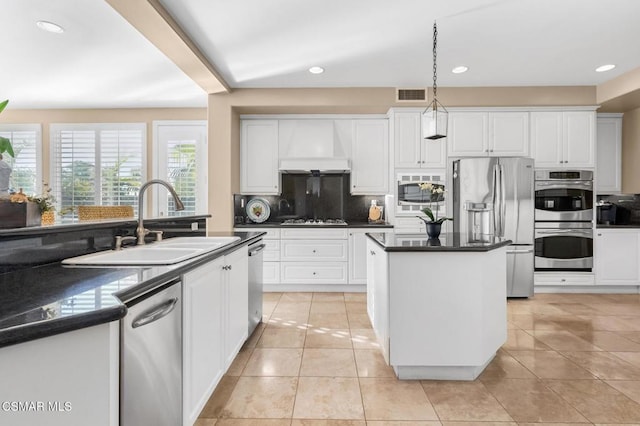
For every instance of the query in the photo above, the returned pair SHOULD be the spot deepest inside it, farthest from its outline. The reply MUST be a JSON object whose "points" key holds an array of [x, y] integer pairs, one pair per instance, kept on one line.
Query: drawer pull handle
{"points": [[314, 273]]}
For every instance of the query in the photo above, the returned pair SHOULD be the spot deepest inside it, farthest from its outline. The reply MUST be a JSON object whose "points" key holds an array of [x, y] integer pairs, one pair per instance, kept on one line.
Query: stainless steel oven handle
{"points": [[520, 251], [564, 185], [581, 233]]}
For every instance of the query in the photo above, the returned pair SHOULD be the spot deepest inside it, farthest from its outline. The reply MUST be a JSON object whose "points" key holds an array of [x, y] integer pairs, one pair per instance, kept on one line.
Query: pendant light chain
{"points": [[435, 74]]}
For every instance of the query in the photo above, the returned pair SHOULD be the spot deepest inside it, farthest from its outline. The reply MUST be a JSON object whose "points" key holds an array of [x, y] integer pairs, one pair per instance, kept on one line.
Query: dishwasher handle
{"points": [[256, 250], [154, 313]]}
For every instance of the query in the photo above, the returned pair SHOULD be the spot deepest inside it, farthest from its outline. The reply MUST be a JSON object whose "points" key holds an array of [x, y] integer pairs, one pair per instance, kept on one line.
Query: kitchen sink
{"points": [[206, 243], [166, 252]]}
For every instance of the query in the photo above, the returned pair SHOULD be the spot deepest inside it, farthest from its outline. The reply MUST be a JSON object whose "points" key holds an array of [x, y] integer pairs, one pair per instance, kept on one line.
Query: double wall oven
{"points": [[564, 220]]}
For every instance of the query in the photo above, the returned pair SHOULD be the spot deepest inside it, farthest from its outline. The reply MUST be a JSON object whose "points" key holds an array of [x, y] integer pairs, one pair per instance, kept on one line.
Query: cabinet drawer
{"points": [[409, 225], [316, 234], [271, 272], [541, 278], [272, 233], [271, 251], [318, 272], [314, 250]]}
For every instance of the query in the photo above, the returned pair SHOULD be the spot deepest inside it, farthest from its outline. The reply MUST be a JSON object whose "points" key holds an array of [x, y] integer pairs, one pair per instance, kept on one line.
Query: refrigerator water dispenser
{"points": [[479, 227]]}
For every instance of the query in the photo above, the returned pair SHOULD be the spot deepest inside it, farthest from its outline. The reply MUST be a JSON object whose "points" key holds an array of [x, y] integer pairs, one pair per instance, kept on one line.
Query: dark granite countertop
{"points": [[350, 224], [52, 299], [393, 242]]}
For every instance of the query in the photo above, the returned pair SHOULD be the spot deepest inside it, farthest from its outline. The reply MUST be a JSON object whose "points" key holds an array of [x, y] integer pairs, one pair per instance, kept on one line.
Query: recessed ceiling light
{"points": [[603, 68], [460, 69], [316, 70], [50, 26]]}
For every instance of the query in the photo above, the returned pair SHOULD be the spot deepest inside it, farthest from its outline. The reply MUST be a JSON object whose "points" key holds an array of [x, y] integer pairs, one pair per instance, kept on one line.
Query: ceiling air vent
{"points": [[411, 95]]}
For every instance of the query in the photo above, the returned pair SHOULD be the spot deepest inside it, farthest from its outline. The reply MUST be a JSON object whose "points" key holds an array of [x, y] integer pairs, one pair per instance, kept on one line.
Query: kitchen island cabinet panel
{"points": [[434, 319], [77, 377]]}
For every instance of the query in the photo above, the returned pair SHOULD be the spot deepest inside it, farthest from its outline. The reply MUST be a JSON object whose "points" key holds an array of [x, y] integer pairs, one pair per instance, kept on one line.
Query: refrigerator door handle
{"points": [[495, 199], [503, 202]]}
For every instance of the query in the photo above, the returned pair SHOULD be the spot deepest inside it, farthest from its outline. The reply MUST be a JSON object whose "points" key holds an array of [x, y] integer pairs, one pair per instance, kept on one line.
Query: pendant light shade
{"points": [[435, 117]]}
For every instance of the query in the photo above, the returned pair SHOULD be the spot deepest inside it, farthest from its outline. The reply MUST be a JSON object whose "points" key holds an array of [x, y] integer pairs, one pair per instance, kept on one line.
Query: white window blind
{"points": [[26, 140], [181, 155], [97, 164]]}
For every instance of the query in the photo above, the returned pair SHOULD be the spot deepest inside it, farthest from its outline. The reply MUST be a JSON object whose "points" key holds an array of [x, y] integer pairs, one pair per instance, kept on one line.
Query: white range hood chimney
{"points": [[312, 144]]}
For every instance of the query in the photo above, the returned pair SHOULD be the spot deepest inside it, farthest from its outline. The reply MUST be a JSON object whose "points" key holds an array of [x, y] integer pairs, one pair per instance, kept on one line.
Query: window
{"points": [[26, 140], [181, 160], [97, 164]]}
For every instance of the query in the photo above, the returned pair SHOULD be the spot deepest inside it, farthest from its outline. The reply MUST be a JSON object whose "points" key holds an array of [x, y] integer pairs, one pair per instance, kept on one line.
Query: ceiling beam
{"points": [[155, 23]]}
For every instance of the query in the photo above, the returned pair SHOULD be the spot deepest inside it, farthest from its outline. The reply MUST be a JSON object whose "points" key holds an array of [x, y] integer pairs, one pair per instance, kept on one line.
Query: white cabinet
{"points": [[411, 150], [314, 256], [215, 323], [563, 138], [358, 255], [370, 157], [609, 154], [73, 374], [378, 294], [616, 255], [235, 287], [259, 157], [203, 364], [473, 134], [271, 256]]}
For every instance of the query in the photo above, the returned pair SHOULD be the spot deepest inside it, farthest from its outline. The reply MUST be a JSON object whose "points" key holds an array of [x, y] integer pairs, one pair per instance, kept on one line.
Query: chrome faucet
{"points": [[141, 232]]}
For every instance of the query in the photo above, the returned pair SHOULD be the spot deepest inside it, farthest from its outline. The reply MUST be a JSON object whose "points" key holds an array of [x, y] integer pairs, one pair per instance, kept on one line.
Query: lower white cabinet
{"points": [[271, 256], [306, 259], [203, 333], [358, 256], [235, 279], [215, 323], [617, 256], [378, 294]]}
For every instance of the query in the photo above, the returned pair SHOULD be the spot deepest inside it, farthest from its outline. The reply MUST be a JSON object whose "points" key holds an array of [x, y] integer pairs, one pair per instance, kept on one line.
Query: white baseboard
{"points": [[331, 288], [617, 289]]}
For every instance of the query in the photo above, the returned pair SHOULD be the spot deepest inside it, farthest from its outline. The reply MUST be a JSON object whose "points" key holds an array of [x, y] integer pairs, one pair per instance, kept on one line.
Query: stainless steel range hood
{"points": [[312, 145]]}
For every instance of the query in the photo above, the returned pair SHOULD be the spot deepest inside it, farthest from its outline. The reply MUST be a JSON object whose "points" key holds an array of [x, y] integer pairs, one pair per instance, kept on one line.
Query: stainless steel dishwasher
{"points": [[255, 284], [151, 358]]}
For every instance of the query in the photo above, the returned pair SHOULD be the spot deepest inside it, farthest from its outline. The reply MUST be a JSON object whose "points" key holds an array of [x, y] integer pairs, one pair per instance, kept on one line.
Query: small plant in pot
{"points": [[432, 221]]}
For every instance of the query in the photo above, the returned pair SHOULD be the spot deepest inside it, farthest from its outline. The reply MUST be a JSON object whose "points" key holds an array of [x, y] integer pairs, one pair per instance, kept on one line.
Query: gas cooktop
{"points": [[312, 222]]}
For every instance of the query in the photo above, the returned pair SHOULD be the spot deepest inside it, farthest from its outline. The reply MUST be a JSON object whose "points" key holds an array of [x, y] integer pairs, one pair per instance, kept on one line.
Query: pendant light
{"points": [[434, 118]]}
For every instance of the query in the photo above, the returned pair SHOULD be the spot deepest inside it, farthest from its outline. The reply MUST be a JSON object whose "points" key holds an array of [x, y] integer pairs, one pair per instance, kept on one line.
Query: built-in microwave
{"points": [[411, 198]]}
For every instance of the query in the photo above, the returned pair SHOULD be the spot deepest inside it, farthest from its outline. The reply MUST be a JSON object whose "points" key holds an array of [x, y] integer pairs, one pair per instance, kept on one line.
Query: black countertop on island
{"points": [[452, 242], [350, 224], [51, 299]]}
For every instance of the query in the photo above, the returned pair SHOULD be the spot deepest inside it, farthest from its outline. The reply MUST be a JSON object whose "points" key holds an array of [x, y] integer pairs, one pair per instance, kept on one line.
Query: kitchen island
{"points": [[438, 306]]}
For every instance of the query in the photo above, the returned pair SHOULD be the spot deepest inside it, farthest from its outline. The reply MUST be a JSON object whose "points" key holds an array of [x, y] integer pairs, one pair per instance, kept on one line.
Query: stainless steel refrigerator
{"points": [[493, 196]]}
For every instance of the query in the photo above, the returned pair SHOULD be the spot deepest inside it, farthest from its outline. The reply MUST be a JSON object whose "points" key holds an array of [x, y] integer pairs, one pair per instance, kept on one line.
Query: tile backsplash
{"points": [[628, 203]]}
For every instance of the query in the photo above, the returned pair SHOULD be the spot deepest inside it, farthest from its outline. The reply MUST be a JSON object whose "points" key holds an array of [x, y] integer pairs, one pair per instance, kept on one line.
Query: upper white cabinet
{"points": [[563, 138], [370, 157], [609, 154], [474, 134], [259, 157], [410, 148]]}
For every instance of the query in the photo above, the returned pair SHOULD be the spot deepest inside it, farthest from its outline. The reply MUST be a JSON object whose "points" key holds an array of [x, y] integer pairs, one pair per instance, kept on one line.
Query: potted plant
{"points": [[5, 144], [432, 221], [45, 202]]}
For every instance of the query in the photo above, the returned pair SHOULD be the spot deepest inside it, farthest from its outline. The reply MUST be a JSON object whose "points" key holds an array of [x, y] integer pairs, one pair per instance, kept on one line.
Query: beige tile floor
{"points": [[569, 359]]}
